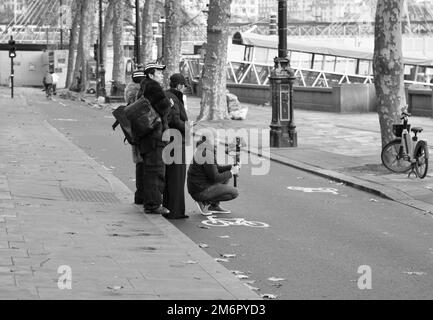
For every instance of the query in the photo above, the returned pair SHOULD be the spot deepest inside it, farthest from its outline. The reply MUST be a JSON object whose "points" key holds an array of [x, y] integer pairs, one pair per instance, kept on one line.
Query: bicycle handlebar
{"points": [[404, 115]]}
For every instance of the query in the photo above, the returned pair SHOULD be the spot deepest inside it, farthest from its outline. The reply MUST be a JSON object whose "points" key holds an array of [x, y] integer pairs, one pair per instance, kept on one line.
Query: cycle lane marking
{"points": [[226, 222]]}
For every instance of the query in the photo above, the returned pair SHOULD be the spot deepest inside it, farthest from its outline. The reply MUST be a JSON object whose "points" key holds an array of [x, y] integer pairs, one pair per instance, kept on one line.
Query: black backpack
{"points": [[121, 119], [142, 117]]}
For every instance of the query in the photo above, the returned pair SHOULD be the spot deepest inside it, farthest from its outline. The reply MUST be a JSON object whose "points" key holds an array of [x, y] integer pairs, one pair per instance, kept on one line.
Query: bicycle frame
{"points": [[408, 146]]}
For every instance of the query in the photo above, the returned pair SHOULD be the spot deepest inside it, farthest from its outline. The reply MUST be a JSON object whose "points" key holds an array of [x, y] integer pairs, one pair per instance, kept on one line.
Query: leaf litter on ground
{"points": [[252, 288], [275, 279]]}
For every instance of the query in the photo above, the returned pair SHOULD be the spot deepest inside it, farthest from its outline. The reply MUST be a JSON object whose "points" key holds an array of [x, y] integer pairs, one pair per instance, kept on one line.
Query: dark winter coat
{"points": [[202, 176], [177, 116], [153, 91]]}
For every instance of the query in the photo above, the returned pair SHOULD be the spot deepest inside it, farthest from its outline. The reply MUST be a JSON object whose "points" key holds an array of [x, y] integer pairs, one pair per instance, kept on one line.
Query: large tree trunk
{"points": [[213, 101], [147, 32], [73, 42], [83, 48], [388, 65], [108, 27], [93, 23], [172, 39], [118, 51]]}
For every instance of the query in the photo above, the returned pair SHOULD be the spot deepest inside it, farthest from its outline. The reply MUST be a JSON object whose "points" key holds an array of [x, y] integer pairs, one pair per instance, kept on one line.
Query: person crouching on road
{"points": [[208, 182], [131, 95], [175, 174], [152, 145]]}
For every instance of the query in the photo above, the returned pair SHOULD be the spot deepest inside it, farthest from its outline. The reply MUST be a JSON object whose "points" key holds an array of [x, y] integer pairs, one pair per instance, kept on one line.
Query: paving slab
{"points": [[109, 247]]}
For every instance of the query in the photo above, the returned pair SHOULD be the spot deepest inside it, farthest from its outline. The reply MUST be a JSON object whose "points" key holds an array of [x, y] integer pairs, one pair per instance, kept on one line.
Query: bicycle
{"points": [[225, 222], [405, 152]]}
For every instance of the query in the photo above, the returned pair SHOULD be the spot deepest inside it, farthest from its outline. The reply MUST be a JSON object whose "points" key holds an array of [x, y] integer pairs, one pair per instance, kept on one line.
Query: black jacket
{"points": [[177, 115], [202, 176], [153, 91]]}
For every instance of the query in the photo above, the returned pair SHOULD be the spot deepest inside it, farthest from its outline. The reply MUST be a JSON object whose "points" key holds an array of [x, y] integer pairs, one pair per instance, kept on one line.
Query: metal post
{"points": [[12, 55], [283, 129], [97, 57], [282, 28], [61, 25], [101, 78], [163, 42], [12, 78], [137, 32]]}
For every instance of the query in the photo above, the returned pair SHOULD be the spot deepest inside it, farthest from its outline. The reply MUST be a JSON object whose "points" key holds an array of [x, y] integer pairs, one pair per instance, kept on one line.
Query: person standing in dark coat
{"points": [[152, 145], [131, 95], [175, 173]]}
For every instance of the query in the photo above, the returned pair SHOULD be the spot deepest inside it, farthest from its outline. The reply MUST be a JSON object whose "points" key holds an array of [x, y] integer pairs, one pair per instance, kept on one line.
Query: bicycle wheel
{"points": [[255, 224], [421, 157], [215, 223], [392, 157]]}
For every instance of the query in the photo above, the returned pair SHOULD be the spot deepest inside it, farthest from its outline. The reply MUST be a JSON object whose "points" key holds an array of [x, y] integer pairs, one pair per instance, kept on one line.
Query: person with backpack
{"points": [[174, 193], [131, 95], [151, 144]]}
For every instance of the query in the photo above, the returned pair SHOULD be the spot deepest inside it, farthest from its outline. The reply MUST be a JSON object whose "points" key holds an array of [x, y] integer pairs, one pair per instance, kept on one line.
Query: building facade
{"points": [[245, 10], [267, 7], [331, 10], [10, 9]]}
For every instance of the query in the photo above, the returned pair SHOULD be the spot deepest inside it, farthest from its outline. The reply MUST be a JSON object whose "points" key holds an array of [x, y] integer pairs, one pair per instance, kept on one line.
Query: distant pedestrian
{"points": [[55, 82], [175, 173], [208, 182], [152, 145], [131, 95], [48, 82]]}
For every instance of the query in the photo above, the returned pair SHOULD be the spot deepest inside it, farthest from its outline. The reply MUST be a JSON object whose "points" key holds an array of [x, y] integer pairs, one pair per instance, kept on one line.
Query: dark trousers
{"points": [[216, 193], [153, 178], [139, 175], [174, 193]]}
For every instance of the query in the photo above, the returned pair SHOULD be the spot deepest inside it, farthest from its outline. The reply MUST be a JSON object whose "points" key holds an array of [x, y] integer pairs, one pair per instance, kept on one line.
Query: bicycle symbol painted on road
{"points": [[225, 222]]}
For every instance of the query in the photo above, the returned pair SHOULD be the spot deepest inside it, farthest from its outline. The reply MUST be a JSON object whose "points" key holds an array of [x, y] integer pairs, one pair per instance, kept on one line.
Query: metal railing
{"points": [[247, 72]]}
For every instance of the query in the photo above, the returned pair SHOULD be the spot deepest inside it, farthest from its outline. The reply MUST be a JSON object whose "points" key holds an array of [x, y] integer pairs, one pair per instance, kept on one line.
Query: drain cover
{"points": [[81, 195]]}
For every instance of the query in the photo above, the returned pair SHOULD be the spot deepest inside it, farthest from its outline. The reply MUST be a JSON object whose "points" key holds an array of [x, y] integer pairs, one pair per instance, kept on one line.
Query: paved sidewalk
{"points": [[58, 207], [342, 147]]}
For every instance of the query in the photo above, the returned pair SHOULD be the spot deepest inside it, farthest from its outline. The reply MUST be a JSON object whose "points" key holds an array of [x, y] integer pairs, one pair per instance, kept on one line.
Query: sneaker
{"points": [[218, 209], [203, 208], [161, 210]]}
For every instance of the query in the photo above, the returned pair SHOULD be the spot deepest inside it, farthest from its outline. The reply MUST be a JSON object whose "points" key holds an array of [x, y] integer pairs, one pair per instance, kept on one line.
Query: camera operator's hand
{"points": [[235, 170]]}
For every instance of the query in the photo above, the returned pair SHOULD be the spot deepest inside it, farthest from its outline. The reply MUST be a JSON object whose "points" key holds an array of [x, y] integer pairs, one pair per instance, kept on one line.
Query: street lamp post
{"points": [[137, 32], [162, 21], [12, 55], [283, 130], [101, 76]]}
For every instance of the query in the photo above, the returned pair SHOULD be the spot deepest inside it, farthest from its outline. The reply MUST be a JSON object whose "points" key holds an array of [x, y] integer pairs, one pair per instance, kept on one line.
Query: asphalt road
{"points": [[315, 241]]}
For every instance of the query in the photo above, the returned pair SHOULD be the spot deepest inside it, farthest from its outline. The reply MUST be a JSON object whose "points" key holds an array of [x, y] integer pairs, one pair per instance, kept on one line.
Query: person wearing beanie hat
{"points": [[133, 88], [175, 173], [132, 93], [151, 146]]}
